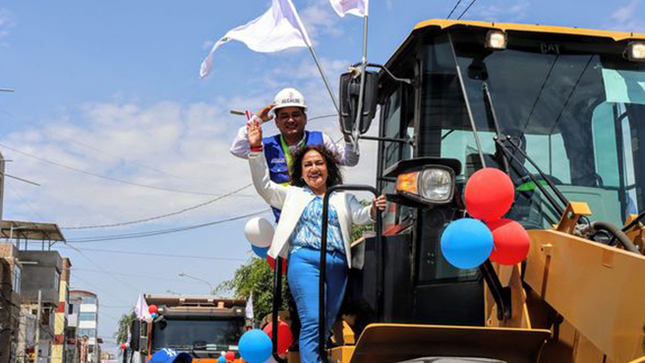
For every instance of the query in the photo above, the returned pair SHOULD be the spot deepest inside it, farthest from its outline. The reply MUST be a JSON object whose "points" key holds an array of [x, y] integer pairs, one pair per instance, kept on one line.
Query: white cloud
{"points": [[626, 18], [7, 21], [128, 140], [320, 19], [499, 10]]}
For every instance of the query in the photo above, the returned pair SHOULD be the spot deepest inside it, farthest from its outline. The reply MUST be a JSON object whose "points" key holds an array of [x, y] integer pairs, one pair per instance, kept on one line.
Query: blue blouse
{"points": [[308, 231]]}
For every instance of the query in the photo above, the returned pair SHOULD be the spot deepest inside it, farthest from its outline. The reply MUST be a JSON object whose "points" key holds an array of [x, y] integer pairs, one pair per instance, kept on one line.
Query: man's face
{"points": [[291, 121]]}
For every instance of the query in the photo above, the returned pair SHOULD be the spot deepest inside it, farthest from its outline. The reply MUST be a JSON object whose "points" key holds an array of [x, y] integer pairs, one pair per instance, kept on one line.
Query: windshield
{"points": [[189, 335], [576, 108]]}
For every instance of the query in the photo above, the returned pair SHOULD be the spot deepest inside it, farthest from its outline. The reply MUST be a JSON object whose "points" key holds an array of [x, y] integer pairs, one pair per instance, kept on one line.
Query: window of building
{"points": [[87, 316], [17, 278], [56, 280]]}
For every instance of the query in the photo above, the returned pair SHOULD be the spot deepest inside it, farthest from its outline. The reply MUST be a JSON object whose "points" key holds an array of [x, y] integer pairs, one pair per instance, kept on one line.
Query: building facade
{"points": [[60, 315], [10, 288], [83, 316], [40, 296]]}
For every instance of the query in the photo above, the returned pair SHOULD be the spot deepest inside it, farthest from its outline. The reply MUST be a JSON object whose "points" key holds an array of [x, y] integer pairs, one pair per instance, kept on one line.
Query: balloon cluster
{"points": [[256, 345], [259, 232], [226, 357], [467, 242], [153, 310]]}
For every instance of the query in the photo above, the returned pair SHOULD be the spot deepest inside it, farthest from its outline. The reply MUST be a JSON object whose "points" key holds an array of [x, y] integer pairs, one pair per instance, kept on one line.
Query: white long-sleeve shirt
{"points": [[344, 153]]}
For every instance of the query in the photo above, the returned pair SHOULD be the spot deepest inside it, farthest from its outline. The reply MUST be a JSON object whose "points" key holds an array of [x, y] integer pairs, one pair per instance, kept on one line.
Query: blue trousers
{"points": [[303, 276]]}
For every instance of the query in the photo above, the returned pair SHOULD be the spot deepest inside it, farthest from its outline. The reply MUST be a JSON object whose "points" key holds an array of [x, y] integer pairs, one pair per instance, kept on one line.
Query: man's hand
{"points": [[377, 203], [264, 113], [254, 128]]}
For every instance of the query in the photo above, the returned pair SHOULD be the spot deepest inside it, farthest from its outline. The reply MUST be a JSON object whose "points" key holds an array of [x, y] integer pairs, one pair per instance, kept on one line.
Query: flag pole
{"points": [[361, 93], [324, 76]]}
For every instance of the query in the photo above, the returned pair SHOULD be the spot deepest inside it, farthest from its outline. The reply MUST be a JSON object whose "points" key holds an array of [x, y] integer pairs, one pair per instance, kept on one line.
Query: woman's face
{"points": [[314, 170]]}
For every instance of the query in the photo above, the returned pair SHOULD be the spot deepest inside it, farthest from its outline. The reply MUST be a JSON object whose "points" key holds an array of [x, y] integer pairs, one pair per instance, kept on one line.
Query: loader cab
{"points": [[573, 100]]}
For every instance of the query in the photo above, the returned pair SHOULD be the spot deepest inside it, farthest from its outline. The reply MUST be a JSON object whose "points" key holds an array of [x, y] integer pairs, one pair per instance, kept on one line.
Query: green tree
{"points": [[254, 277], [126, 320]]}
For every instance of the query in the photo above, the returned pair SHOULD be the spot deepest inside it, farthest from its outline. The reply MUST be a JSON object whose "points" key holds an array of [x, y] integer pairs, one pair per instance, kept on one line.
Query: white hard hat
{"points": [[289, 97]]}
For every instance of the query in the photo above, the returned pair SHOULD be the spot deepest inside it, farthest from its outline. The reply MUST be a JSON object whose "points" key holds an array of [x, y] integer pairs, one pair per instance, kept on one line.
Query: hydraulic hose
{"points": [[618, 233]]}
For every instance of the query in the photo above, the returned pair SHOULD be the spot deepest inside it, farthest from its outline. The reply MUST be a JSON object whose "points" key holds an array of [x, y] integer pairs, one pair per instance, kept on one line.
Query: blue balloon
{"points": [[153, 315], [260, 251], [466, 243], [221, 359], [255, 346]]}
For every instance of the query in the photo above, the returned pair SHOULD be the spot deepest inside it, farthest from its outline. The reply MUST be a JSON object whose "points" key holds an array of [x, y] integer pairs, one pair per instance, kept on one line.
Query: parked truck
{"points": [[202, 326]]}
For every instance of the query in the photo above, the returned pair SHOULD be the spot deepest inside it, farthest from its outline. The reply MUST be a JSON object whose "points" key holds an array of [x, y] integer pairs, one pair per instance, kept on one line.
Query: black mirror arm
{"points": [[387, 71]]}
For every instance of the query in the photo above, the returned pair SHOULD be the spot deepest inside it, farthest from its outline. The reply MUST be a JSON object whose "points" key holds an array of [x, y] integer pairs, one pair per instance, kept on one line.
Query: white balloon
{"points": [[259, 232]]}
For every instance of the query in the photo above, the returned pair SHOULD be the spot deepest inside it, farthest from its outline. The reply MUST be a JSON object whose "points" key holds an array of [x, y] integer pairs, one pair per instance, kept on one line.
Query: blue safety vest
{"points": [[277, 161]]}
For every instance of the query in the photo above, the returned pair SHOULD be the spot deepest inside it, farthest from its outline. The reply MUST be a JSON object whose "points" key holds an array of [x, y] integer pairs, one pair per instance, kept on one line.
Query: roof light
{"points": [[636, 51], [433, 184], [496, 40]]}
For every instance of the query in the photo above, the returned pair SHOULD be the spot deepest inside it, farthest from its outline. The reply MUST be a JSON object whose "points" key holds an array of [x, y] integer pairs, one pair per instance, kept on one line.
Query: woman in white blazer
{"points": [[297, 236]]}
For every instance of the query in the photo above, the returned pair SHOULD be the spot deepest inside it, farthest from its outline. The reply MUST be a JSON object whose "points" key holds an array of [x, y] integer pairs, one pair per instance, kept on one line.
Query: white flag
{"points": [[354, 7], [249, 308], [141, 309], [278, 29]]}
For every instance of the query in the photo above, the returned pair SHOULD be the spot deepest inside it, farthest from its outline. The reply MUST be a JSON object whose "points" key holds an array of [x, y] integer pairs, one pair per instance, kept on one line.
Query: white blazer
{"points": [[293, 201]]}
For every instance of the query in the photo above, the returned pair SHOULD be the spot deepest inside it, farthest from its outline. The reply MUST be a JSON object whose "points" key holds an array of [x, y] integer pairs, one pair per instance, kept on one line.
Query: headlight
{"points": [[436, 184], [496, 40], [433, 184], [636, 51]]}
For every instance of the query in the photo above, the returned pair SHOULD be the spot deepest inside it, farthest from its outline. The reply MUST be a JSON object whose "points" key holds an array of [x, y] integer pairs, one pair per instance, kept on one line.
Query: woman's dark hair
{"points": [[335, 175]]}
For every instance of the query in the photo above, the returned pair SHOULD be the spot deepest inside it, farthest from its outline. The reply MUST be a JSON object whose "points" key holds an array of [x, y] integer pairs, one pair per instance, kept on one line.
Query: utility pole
{"points": [[2, 162], [2, 167], [37, 349]]}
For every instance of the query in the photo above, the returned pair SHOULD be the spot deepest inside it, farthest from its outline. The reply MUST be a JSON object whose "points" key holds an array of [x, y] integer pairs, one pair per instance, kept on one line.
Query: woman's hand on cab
{"points": [[379, 203]]}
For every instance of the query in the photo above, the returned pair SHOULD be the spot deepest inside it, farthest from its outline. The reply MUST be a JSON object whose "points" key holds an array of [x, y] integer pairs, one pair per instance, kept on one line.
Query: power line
{"points": [[468, 8], [26, 202], [155, 254], [121, 224], [161, 231], [116, 180], [102, 269], [98, 288], [129, 275], [134, 162], [453, 9]]}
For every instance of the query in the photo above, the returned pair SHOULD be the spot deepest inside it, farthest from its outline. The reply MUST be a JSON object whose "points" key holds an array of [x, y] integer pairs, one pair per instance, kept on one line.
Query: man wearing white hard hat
{"points": [[290, 113]]}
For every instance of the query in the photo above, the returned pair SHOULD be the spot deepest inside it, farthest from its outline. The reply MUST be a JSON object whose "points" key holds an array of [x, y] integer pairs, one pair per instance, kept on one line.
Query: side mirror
{"points": [[350, 86]]}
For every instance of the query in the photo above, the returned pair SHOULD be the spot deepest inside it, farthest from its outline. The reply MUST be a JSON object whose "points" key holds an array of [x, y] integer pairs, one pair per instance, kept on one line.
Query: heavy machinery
{"points": [[562, 111], [203, 326]]}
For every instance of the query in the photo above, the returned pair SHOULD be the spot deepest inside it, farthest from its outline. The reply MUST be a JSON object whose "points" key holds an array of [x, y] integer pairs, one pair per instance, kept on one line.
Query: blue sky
{"points": [[112, 88]]}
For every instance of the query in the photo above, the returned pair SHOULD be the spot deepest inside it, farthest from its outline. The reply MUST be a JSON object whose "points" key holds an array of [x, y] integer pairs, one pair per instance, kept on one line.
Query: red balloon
{"points": [[271, 262], [511, 241], [123, 346], [489, 194], [153, 309], [285, 338], [230, 356]]}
